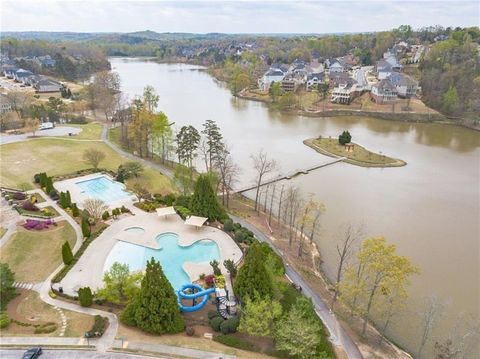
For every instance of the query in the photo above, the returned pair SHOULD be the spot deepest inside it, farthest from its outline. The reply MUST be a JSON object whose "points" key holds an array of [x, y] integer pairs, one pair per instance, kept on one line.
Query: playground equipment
{"points": [[226, 305], [197, 291]]}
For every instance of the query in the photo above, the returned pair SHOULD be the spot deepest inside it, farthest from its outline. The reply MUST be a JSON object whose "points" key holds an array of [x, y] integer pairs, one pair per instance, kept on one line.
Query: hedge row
{"points": [[236, 342]]}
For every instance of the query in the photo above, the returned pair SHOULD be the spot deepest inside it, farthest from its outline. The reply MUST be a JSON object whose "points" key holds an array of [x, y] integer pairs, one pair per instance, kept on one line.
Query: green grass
{"points": [[90, 131], [33, 255], [359, 156], [21, 160], [114, 135]]}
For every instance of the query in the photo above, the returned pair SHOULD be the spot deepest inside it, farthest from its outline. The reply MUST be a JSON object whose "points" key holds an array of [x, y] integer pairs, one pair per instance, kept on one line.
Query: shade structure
{"points": [[196, 221], [165, 211]]}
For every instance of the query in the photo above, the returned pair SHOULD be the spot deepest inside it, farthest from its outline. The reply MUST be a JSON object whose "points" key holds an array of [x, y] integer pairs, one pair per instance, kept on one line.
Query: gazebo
{"points": [[165, 211], [196, 221]]}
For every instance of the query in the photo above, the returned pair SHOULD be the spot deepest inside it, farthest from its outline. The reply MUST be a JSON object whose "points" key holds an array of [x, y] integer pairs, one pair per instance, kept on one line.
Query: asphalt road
{"points": [[70, 354], [57, 131], [337, 334]]}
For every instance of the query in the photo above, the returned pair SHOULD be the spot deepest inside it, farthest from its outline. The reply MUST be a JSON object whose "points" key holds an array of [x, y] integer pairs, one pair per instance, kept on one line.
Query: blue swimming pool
{"points": [[103, 188], [170, 255]]}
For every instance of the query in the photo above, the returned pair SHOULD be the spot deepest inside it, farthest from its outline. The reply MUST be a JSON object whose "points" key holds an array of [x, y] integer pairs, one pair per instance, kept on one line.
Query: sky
{"points": [[233, 16]]}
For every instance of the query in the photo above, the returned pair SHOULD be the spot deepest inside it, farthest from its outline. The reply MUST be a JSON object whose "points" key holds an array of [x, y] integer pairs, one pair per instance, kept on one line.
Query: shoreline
{"points": [[398, 163]]}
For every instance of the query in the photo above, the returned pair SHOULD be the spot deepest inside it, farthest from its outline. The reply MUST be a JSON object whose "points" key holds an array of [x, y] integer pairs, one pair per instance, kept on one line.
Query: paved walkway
{"points": [[171, 350]]}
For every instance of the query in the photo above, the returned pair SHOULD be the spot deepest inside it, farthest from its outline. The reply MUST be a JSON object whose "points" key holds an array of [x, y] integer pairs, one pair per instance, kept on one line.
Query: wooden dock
{"points": [[291, 175]]}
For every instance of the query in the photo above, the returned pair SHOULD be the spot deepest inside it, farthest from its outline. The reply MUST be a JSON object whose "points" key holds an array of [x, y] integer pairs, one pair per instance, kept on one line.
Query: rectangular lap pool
{"points": [[104, 188]]}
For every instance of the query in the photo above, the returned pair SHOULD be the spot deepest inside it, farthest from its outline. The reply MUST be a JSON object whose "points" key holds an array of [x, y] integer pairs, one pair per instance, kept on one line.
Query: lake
{"points": [[429, 208]]}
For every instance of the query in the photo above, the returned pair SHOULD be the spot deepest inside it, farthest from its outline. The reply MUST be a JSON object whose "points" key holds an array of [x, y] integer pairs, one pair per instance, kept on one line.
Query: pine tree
{"points": [[67, 254], [43, 179], [75, 211], [68, 199], [49, 185], [85, 296], [85, 227], [155, 308], [253, 278], [63, 200], [204, 202]]}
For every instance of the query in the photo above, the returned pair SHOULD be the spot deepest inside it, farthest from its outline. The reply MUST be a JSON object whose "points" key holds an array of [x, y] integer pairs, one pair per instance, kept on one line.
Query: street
{"points": [[69, 354]]}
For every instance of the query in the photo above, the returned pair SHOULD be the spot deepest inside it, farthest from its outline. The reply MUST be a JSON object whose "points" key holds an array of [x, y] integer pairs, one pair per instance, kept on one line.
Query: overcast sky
{"points": [[233, 16]]}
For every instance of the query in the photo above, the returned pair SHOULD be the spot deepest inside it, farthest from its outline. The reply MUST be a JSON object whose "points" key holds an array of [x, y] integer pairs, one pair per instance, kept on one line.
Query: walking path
{"points": [[170, 350], [162, 169]]}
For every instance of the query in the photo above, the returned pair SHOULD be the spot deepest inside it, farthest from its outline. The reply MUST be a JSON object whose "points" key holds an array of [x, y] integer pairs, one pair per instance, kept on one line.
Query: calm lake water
{"points": [[429, 208]]}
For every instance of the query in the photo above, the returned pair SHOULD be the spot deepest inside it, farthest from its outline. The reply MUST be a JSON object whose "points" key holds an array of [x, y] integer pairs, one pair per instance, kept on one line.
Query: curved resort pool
{"points": [[170, 255]]}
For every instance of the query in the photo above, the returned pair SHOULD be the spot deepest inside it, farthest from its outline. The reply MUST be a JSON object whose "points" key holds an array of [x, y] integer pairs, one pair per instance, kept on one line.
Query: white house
{"points": [[336, 67], [314, 79], [384, 69], [269, 77], [21, 75]]}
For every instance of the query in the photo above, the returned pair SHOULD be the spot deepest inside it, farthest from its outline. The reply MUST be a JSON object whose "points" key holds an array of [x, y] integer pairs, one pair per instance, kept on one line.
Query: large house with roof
{"points": [[22, 75], [383, 92], [405, 85], [314, 79], [46, 85], [269, 77]]}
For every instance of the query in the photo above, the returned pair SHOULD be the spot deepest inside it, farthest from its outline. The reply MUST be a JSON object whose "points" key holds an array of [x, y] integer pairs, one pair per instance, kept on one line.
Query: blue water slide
{"points": [[197, 292]]}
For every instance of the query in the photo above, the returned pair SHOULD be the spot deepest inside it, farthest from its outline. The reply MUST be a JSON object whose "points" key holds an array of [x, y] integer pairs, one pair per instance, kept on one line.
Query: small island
{"points": [[354, 153]]}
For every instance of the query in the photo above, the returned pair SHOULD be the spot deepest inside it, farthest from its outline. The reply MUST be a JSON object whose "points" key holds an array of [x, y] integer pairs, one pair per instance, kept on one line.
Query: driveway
{"points": [[57, 131]]}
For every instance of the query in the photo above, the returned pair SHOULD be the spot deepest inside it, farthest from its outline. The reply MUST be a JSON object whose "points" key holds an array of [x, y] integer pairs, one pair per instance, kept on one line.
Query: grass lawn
{"points": [[2, 231], [359, 156], [182, 340], [114, 135], [21, 160], [33, 255], [90, 131], [29, 308]]}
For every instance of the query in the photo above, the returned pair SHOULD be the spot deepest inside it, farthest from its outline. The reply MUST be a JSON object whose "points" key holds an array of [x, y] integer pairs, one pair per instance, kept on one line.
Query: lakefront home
{"points": [[405, 85], [314, 79], [21, 75], [383, 92], [269, 77]]}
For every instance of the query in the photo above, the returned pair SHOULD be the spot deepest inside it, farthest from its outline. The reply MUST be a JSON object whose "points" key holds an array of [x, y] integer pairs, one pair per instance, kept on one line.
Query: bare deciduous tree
{"points": [[263, 165], [345, 248], [430, 317], [272, 197], [32, 125], [93, 157], [228, 172], [19, 101], [292, 206], [95, 207]]}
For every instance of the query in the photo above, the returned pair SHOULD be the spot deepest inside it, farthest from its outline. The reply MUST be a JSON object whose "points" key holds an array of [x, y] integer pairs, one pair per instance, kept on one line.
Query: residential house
{"points": [[405, 85], [4, 104], [392, 60], [383, 69], [315, 79], [33, 79], [47, 85], [46, 61], [348, 62], [21, 75], [345, 93], [269, 77], [337, 78], [336, 67], [315, 67], [9, 71], [291, 82], [383, 92]]}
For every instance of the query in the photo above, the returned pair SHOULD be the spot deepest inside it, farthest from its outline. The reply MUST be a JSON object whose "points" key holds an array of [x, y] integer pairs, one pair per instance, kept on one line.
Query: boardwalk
{"points": [[291, 175]]}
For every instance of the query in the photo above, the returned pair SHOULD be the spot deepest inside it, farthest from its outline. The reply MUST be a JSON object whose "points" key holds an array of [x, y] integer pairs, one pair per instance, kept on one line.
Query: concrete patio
{"points": [[90, 268]]}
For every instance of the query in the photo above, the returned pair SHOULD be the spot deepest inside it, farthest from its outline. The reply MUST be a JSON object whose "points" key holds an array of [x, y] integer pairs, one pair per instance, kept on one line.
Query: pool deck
{"points": [[79, 196], [88, 271]]}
